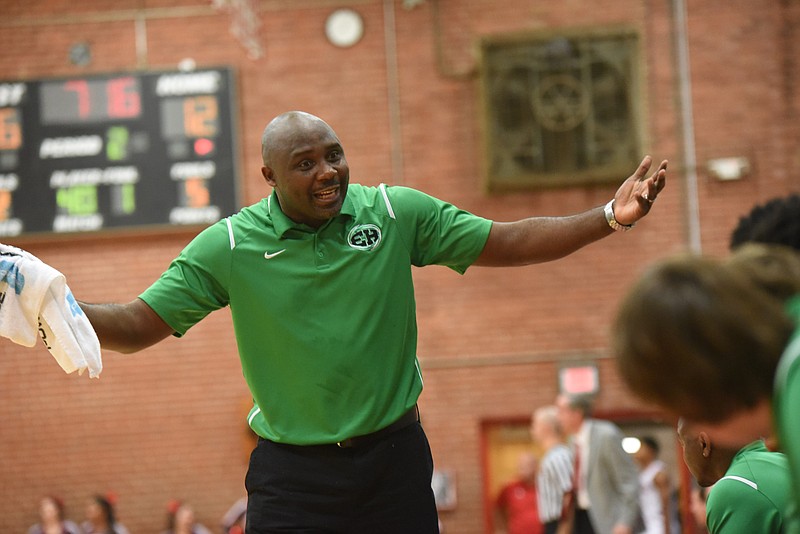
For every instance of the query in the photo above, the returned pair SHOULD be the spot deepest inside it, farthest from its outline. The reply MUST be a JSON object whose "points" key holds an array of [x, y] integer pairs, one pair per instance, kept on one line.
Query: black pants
{"points": [[383, 487], [583, 524]]}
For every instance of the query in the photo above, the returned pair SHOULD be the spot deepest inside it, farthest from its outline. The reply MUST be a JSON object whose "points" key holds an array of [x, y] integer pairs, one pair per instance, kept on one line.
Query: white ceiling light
{"points": [[631, 445], [344, 28]]}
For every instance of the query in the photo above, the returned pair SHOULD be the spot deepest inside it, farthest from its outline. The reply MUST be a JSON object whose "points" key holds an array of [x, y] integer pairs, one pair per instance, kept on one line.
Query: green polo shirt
{"points": [[325, 319], [753, 494], [785, 404]]}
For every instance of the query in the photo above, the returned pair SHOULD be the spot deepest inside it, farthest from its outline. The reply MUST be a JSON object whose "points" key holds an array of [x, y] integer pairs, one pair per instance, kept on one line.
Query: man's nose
{"points": [[328, 172]]}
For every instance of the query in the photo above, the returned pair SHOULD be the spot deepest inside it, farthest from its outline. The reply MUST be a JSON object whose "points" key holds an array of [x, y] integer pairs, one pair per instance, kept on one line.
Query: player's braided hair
{"points": [[776, 221]]}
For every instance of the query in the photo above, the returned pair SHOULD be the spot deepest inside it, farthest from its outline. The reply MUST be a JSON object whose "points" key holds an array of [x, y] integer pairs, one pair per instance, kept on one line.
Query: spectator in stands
{"points": [[101, 518], [51, 518], [516, 507], [181, 520], [234, 520]]}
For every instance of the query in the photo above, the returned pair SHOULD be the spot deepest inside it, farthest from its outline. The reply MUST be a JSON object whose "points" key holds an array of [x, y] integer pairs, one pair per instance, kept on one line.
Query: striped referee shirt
{"points": [[553, 481]]}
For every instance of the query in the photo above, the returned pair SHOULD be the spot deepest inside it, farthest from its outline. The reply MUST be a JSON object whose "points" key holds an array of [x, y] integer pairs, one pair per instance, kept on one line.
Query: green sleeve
{"points": [[195, 283], [438, 233]]}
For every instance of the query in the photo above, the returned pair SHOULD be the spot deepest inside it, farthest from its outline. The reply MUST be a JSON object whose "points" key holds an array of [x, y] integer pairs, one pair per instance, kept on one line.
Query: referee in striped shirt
{"points": [[555, 476]]}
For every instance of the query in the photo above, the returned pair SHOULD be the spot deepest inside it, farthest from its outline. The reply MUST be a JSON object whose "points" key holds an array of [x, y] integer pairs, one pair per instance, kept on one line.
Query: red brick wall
{"points": [[169, 422]]}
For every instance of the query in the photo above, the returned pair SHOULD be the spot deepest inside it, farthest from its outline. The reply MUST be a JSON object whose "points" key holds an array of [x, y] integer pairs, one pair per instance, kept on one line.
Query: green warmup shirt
{"points": [[325, 319], [752, 496], [786, 408]]}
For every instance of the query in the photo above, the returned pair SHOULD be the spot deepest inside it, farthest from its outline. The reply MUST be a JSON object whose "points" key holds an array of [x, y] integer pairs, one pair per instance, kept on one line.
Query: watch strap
{"points": [[608, 210]]}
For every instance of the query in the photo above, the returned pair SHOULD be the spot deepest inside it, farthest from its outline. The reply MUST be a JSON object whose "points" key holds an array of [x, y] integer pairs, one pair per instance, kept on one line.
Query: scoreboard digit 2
{"points": [[125, 150]]}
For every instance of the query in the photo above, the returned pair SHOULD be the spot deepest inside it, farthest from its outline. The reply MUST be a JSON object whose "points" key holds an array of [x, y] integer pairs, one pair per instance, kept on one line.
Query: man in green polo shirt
{"points": [[318, 279], [751, 486]]}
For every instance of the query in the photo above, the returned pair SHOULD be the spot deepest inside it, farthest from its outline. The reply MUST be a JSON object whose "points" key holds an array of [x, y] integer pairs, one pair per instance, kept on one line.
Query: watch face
{"points": [[344, 27]]}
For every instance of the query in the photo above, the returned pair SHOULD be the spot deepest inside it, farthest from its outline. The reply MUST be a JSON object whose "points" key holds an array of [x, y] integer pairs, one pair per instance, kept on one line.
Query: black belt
{"points": [[408, 418]]}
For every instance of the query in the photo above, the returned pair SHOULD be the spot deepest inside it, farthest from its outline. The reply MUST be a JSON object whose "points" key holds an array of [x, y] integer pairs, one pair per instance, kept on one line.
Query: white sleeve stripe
{"points": [[230, 232], [382, 187], [253, 415], [742, 480]]}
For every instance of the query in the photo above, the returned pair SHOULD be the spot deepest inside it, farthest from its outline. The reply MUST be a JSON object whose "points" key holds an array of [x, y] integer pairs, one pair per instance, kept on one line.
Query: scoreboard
{"points": [[125, 150]]}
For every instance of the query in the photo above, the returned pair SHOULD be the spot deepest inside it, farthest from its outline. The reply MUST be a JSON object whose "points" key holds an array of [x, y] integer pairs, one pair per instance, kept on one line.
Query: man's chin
{"points": [[325, 213], [332, 206]]}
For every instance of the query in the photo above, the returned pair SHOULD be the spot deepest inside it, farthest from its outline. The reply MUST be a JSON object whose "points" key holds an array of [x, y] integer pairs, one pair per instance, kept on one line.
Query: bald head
{"points": [[305, 165], [283, 128]]}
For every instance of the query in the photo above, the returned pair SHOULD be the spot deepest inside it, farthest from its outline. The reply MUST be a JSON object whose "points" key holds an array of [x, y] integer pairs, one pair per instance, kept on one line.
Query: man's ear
{"points": [[268, 175], [705, 444]]}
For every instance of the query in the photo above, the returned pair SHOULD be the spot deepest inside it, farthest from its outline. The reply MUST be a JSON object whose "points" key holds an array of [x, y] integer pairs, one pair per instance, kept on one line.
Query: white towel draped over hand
{"points": [[35, 300]]}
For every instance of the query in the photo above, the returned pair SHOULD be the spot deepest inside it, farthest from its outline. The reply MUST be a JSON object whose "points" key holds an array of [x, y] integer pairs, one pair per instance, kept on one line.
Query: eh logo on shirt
{"points": [[364, 237]]}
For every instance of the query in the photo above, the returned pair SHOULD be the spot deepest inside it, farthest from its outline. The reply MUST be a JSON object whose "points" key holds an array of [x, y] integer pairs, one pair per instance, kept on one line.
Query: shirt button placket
{"points": [[320, 253]]}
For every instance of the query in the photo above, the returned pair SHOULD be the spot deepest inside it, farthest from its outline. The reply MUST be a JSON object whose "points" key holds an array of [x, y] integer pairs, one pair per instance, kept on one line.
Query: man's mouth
{"points": [[329, 193]]}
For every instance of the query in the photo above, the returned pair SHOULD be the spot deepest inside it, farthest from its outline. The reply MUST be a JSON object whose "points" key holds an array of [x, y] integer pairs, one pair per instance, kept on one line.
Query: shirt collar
{"points": [[582, 436], [283, 224], [758, 445]]}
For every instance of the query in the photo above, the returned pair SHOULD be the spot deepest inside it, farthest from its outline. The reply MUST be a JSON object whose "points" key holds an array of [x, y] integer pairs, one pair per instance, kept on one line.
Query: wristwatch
{"points": [[608, 210]]}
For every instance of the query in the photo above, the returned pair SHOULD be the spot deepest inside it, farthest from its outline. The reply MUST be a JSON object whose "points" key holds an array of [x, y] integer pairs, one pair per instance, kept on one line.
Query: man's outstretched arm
{"points": [[540, 239], [126, 327]]}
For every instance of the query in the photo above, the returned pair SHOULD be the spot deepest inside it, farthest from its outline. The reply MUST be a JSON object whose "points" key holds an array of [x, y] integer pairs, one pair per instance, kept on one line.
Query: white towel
{"points": [[36, 300]]}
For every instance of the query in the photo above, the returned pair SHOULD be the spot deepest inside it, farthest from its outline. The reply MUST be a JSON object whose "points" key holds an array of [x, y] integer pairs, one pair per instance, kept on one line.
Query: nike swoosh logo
{"points": [[269, 256]]}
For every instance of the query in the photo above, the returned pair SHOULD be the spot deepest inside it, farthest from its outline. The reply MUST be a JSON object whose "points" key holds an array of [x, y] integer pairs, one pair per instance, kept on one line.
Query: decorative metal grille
{"points": [[560, 110]]}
